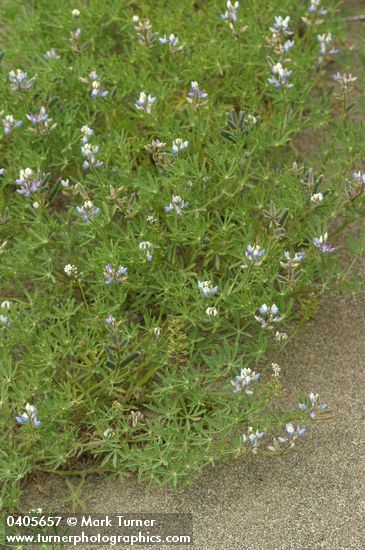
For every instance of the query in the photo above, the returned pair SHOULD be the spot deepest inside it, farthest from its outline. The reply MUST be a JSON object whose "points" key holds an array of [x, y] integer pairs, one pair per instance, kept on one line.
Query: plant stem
{"points": [[283, 126], [83, 294]]}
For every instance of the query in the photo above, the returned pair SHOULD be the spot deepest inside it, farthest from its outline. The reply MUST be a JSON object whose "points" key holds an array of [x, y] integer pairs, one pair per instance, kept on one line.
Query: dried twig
{"points": [[354, 18]]}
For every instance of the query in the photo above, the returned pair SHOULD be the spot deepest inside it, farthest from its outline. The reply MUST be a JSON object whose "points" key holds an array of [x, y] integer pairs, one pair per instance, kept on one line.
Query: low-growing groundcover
{"points": [[161, 236]]}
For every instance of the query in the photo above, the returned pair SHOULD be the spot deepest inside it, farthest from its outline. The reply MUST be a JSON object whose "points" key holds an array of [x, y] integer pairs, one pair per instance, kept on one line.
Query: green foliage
{"points": [[151, 392]]}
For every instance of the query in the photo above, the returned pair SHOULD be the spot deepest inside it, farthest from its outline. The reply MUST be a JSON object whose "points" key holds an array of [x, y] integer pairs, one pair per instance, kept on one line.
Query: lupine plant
{"points": [[165, 230]]}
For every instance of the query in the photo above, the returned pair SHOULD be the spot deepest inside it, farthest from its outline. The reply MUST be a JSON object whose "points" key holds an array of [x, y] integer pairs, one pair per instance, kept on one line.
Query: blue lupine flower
{"points": [[315, 7], [87, 133], [146, 247], [291, 430], [110, 320], [255, 254], [4, 320], [207, 288], [244, 381], [344, 79], [196, 95], [177, 204], [42, 117], [41, 121], [90, 151], [298, 256], [281, 25], [325, 40], [75, 41], [30, 415], [321, 243], [145, 102], [9, 123], [288, 45], [195, 91], [172, 41], [280, 76], [115, 275], [278, 41], [268, 315], [314, 405], [253, 438], [292, 434], [292, 262], [96, 90], [28, 184], [88, 211], [358, 176], [231, 12], [178, 145], [19, 80]]}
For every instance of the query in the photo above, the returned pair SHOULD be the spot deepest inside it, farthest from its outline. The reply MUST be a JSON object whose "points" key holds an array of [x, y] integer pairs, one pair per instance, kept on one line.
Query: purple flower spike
{"points": [[42, 117], [196, 95], [28, 184], [30, 415], [255, 255], [359, 176], [177, 204], [244, 381], [145, 102], [314, 405], [231, 12], [280, 76], [19, 80], [253, 438], [110, 320], [322, 245], [268, 315], [9, 124], [207, 288], [88, 211], [115, 275]]}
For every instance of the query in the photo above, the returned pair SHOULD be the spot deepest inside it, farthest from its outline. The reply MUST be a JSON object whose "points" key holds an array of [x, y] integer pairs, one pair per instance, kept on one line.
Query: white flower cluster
{"points": [[71, 271]]}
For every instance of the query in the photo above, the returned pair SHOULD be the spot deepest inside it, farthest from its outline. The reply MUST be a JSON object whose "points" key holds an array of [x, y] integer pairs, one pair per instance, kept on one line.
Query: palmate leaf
{"points": [[129, 359], [239, 123]]}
